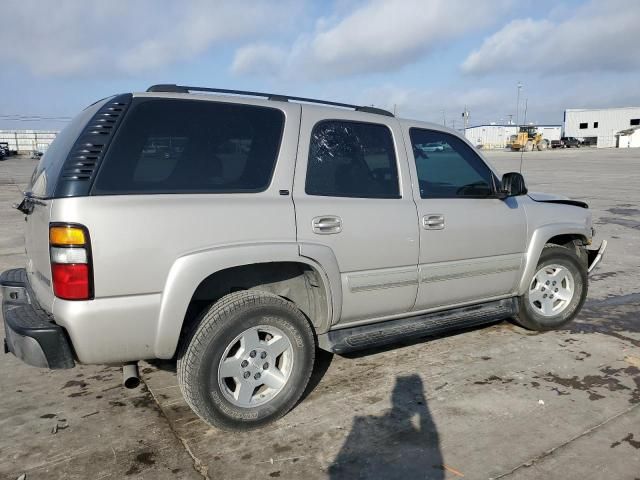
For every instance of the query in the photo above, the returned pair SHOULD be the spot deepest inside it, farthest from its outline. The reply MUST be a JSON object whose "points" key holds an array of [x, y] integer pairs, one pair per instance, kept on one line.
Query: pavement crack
{"points": [[551, 451], [198, 465]]}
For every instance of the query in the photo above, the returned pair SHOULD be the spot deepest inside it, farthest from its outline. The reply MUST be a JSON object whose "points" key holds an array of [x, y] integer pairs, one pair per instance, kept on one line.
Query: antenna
{"points": [[526, 105]]}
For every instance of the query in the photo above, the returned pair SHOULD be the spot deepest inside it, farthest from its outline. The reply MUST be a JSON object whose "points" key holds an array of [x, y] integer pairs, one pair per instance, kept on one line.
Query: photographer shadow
{"points": [[402, 443]]}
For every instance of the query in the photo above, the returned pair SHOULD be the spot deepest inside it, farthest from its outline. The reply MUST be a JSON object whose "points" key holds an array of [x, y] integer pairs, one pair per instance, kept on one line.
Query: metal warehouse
{"points": [[27, 140], [497, 136], [603, 124]]}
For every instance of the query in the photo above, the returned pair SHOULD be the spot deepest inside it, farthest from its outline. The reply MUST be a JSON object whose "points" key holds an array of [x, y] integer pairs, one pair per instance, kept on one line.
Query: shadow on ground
{"points": [[402, 443]]}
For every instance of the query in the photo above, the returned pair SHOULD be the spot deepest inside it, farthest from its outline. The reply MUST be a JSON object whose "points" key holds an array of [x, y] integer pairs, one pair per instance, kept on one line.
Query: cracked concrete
{"points": [[493, 402]]}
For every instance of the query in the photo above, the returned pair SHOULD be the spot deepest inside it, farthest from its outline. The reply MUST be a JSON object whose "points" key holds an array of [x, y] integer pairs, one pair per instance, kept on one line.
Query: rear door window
{"points": [[190, 146], [352, 159]]}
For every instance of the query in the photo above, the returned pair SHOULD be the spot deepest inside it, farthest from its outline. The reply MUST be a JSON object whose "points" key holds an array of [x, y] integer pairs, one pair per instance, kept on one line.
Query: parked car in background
{"points": [[4, 149], [570, 142]]}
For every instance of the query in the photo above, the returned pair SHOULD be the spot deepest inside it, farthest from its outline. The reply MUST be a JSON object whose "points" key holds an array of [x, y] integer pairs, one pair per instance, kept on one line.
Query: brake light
{"points": [[70, 262], [70, 281]]}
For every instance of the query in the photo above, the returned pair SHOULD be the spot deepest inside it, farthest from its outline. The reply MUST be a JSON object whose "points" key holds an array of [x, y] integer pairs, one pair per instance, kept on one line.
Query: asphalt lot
{"points": [[493, 402]]}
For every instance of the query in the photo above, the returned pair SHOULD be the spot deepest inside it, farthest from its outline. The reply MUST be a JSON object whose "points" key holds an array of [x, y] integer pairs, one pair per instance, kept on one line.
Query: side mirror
{"points": [[513, 185]]}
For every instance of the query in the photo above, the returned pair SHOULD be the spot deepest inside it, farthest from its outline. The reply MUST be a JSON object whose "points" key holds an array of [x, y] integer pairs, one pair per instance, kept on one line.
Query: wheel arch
{"points": [[557, 234], [279, 268]]}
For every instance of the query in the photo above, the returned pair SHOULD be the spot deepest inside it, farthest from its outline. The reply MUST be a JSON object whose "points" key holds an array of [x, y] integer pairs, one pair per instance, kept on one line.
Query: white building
{"points": [[27, 140], [497, 136], [629, 138], [602, 124]]}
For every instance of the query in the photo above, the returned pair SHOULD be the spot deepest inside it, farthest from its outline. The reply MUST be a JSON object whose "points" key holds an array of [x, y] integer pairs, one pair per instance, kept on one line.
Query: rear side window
{"points": [[447, 167], [187, 146], [45, 176], [352, 159]]}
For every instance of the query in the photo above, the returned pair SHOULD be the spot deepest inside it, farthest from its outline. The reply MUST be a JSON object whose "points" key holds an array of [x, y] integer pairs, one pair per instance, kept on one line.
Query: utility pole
{"points": [[444, 119], [518, 103], [510, 118], [465, 116]]}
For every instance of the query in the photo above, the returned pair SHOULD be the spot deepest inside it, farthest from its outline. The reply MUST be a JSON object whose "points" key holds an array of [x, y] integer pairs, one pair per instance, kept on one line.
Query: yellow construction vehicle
{"points": [[528, 139]]}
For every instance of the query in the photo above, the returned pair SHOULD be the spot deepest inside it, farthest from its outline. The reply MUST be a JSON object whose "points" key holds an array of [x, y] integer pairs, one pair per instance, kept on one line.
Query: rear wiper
{"points": [[28, 203]]}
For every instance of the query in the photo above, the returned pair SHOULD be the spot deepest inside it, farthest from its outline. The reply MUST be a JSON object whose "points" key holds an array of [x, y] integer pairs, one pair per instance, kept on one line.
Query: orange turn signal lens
{"points": [[66, 236]]}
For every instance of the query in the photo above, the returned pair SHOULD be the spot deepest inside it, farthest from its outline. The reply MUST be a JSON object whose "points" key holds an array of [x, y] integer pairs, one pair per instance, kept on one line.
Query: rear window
{"points": [[45, 176], [189, 146]]}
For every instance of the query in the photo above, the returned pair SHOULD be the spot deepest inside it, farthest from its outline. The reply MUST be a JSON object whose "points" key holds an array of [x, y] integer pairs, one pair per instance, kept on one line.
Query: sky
{"points": [[425, 59]]}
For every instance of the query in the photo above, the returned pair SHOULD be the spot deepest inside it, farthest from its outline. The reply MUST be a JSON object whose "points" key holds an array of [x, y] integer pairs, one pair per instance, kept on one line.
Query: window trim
{"points": [[496, 184], [359, 122], [137, 101]]}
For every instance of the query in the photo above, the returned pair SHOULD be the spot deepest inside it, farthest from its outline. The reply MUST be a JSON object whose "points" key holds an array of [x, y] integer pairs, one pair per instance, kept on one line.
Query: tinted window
{"points": [[583, 126], [350, 159], [595, 124], [45, 176], [634, 121], [447, 167], [172, 146]]}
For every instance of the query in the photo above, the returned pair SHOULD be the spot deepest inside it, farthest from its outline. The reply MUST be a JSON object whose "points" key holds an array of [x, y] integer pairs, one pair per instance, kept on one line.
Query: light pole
{"points": [[518, 103]]}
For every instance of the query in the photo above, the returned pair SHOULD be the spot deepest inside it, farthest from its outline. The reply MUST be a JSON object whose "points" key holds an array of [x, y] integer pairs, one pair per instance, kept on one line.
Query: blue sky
{"points": [[428, 58]]}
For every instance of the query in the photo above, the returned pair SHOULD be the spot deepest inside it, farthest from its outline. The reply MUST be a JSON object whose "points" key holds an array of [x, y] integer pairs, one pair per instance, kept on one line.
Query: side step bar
{"points": [[383, 333]]}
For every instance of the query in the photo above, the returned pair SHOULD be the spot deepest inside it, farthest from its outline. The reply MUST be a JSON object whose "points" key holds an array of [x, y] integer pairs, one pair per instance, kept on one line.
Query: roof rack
{"points": [[172, 88]]}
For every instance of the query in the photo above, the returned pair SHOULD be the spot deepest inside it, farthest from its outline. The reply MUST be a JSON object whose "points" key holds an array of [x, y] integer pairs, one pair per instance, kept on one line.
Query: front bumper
{"points": [[30, 334], [595, 256]]}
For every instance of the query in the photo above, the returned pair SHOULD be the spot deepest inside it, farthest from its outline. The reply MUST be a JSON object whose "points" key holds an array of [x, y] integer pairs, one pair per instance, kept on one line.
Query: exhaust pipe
{"points": [[130, 377]]}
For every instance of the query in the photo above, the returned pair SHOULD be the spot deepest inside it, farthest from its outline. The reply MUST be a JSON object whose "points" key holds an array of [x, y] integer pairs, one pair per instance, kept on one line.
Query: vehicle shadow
{"points": [[402, 443]]}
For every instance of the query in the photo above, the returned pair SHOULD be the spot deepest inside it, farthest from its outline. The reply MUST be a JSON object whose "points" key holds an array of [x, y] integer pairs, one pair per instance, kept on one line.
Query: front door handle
{"points": [[326, 224], [433, 221]]}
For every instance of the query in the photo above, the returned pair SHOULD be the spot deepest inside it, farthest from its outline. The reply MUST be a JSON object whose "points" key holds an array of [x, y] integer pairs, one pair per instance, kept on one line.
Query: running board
{"points": [[428, 324]]}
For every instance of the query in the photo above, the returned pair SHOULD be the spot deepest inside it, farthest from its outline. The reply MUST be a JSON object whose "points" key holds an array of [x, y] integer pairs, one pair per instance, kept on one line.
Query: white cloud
{"points": [[259, 59], [380, 36], [599, 36], [83, 38]]}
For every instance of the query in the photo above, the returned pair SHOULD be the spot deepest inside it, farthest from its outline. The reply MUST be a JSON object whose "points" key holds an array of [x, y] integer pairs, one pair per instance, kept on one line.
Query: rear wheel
{"points": [[556, 292], [528, 147], [248, 361]]}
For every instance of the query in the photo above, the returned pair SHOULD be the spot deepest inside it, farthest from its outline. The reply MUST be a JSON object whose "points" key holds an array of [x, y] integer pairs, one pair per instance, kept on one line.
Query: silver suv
{"points": [[237, 232]]}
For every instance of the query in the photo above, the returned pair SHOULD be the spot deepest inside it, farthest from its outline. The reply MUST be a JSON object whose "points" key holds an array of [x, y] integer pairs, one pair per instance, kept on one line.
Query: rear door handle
{"points": [[433, 221], [326, 224]]}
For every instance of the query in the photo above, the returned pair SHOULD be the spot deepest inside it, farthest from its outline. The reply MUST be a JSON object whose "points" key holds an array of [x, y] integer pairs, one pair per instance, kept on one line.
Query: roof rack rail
{"points": [[172, 88]]}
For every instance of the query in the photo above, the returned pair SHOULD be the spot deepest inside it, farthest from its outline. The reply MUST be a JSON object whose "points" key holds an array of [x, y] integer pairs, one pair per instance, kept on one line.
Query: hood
{"points": [[551, 198]]}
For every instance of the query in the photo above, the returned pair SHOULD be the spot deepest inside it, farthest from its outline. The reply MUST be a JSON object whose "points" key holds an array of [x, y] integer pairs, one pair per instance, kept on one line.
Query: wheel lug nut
{"points": [[246, 375], [263, 355], [244, 364], [554, 283], [547, 282], [542, 289], [252, 353], [265, 366], [556, 290], [257, 376], [544, 296]]}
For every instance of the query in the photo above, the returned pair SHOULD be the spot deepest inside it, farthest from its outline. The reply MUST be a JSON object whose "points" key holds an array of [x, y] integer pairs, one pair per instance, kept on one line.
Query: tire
{"points": [[528, 147], [542, 146], [561, 260], [224, 330]]}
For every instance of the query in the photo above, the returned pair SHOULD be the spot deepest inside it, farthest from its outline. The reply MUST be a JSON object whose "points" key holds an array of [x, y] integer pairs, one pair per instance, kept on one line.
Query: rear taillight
{"points": [[70, 253]]}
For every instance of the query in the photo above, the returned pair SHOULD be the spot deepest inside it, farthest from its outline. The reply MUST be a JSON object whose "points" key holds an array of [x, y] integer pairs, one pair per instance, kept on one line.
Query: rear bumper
{"points": [[31, 335]]}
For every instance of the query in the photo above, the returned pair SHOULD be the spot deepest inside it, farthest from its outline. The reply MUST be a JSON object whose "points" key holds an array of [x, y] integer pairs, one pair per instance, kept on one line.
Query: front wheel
{"points": [[248, 361], [556, 292]]}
